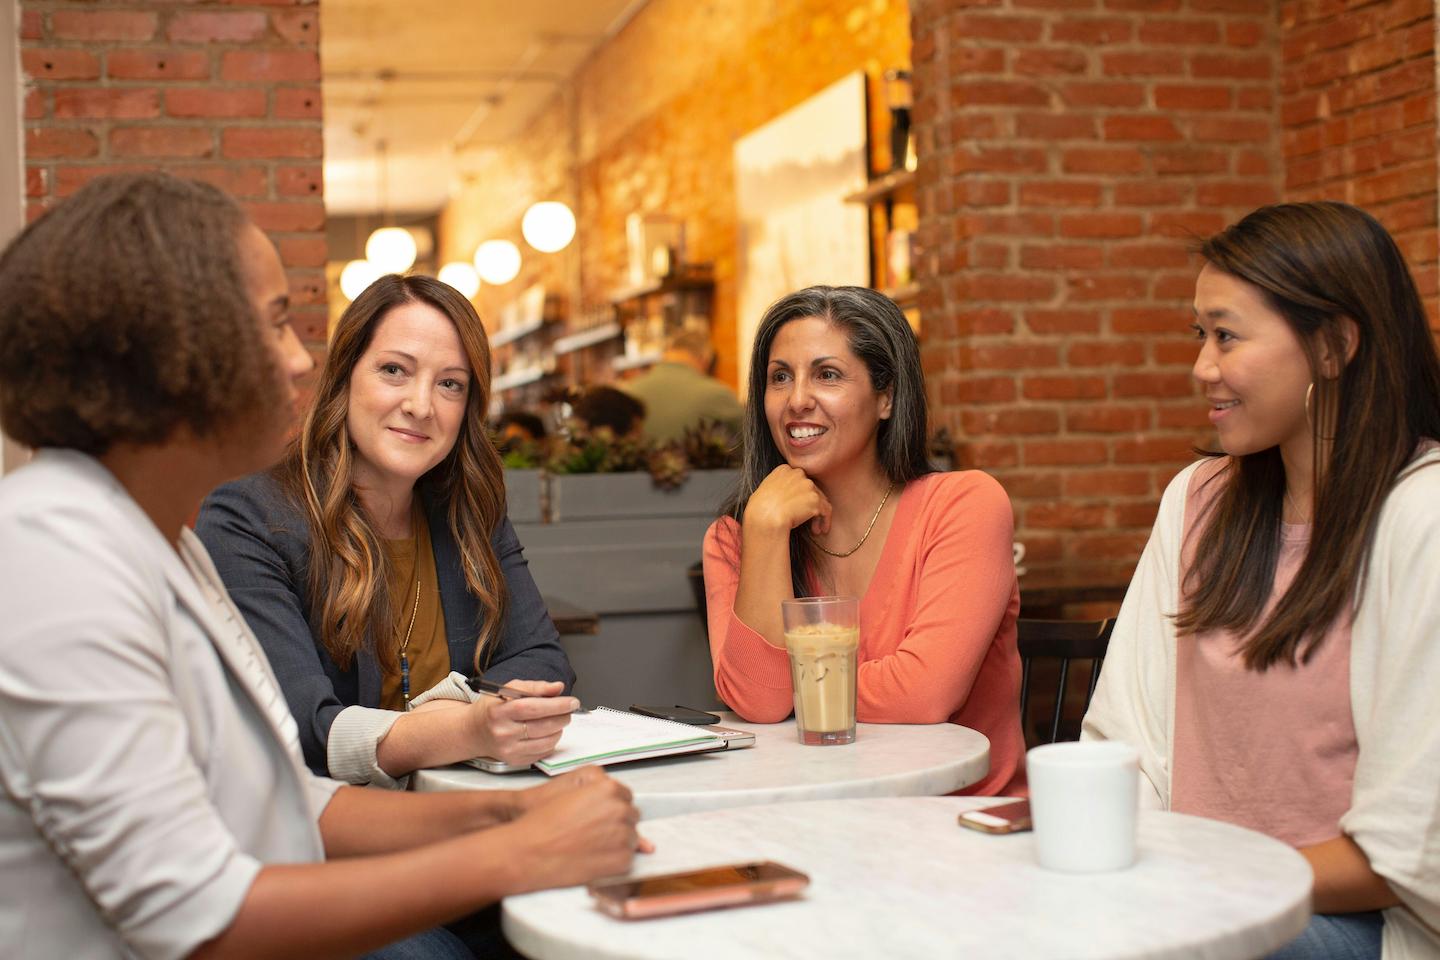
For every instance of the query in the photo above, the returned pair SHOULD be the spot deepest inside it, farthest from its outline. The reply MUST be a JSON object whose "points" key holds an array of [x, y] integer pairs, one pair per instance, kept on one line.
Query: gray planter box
{"points": [[609, 496], [522, 495], [619, 546]]}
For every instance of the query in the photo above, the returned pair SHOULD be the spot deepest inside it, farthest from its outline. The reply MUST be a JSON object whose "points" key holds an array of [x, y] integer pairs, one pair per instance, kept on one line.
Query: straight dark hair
{"points": [[1317, 265], [880, 336]]}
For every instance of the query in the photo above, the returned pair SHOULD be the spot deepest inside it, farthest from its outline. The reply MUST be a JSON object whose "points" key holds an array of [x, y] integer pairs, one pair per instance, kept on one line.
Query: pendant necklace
{"points": [[866, 536], [405, 644]]}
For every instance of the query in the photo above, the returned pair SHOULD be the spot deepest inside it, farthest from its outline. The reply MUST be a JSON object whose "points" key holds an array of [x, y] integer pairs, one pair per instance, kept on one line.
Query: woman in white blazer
{"points": [[155, 801], [1275, 658]]}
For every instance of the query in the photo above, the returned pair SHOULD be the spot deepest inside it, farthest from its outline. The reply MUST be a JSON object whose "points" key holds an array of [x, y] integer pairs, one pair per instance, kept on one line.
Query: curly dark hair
{"points": [[124, 315]]}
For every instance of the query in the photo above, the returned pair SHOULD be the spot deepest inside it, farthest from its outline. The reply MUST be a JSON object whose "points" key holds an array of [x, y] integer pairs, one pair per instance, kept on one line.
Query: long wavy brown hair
{"points": [[1318, 265], [348, 563]]}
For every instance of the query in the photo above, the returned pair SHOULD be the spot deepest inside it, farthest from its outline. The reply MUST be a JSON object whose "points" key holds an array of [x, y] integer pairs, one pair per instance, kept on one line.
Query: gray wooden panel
{"points": [[617, 566], [522, 495], [601, 496], [644, 658]]}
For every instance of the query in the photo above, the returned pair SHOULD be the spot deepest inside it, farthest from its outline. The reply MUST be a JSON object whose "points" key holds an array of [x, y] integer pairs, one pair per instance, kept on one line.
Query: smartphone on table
{"points": [[676, 714], [731, 885], [1005, 818]]}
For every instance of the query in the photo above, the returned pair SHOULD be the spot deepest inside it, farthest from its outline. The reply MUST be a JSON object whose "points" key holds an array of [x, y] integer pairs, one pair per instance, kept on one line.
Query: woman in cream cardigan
{"points": [[1275, 658], [153, 798]]}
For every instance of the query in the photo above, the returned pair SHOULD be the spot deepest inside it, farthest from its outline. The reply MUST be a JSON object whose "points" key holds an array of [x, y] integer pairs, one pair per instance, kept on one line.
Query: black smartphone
{"points": [[678, 714]]}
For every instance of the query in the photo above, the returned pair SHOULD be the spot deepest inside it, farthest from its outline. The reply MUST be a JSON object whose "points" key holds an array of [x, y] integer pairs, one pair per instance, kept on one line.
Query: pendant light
{"points": [[548, 226]]}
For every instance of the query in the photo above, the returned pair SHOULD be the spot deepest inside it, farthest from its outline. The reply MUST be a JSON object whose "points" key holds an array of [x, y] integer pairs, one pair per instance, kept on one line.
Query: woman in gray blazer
{"points": [[376, 563], [153, 800]]}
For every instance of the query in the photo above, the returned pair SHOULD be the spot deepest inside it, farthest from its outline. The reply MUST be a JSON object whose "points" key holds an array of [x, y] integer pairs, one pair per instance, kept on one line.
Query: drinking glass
{"points": [[822, 636]]}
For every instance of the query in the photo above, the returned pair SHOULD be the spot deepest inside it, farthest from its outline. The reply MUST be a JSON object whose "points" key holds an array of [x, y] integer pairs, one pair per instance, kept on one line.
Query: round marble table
{"points": [[898, 878], [886, 760]]}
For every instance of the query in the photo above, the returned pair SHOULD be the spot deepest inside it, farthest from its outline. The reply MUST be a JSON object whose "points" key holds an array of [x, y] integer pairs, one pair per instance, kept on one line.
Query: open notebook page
{"points": [[610, 736]]}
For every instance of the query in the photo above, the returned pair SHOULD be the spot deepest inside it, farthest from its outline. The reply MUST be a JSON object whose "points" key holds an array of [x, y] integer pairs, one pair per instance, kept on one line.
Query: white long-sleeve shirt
{"points": [[1394, 814]]}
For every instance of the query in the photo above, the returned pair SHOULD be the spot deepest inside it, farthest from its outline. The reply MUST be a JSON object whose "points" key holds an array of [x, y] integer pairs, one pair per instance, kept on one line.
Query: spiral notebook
{"points": [[604, 736]]}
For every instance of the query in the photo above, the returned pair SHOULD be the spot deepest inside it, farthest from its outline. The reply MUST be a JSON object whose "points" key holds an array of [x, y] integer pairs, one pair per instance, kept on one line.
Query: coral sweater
{"points": [[937, 623]]}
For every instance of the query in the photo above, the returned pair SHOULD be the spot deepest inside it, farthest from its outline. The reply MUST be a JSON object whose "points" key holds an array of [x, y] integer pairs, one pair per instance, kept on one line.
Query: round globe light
{"points": [[357, 275], [497, 261], [548, 226], [462, 277], [392, 249]]}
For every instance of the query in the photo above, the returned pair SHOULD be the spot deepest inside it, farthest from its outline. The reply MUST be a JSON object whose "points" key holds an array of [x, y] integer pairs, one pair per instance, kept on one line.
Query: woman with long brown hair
{"points": [[1275, 658], [376, 563], [153, 800]]}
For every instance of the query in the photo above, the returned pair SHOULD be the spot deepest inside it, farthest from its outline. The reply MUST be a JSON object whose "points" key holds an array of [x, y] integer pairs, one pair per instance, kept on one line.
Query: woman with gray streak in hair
{"points": [[836, 497]]}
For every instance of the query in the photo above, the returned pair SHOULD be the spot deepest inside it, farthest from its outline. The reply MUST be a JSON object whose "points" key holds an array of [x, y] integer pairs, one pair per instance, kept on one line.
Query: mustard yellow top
{"points": [[428, 653]]}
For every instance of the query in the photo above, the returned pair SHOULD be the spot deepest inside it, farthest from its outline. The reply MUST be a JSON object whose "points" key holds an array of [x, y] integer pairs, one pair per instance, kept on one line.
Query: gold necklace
{"points": [[866, 536], [405, 644]]}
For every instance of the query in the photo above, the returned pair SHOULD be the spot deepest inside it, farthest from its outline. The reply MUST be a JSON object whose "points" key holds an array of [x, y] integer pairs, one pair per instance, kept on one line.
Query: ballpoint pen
{"points": [[490, 688]]}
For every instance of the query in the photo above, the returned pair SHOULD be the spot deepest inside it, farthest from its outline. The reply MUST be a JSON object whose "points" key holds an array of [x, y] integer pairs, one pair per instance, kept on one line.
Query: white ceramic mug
{"points": [[1083, 799], [1019, 550]]}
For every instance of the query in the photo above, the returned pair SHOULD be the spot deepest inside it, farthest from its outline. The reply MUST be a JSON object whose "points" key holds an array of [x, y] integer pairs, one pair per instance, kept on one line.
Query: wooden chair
{"points": [[1065, 641]]}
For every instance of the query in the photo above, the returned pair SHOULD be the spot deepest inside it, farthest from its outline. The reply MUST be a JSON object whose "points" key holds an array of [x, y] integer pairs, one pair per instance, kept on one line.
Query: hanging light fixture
{"points": [[497, 261], [462, 277], [392, 249], [357, 275], [548, 226]]}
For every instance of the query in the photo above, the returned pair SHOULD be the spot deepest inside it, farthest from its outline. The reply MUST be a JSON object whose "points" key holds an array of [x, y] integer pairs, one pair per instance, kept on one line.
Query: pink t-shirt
{"points": [[937, 624], [1272, 751]]}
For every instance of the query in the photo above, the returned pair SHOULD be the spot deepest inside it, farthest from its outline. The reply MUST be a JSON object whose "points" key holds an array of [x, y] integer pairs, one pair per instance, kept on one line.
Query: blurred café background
{"points": [[1022, 176]]}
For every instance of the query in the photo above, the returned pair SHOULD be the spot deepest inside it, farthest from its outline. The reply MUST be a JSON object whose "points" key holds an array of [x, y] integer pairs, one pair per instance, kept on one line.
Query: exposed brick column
{"points": [[222, 92], [1068, 151], [1358, 112]]}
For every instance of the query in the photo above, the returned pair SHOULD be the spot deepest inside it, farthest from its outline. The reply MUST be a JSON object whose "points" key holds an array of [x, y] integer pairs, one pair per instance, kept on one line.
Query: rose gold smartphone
{"points": [[1006, 818], [728, 886]]}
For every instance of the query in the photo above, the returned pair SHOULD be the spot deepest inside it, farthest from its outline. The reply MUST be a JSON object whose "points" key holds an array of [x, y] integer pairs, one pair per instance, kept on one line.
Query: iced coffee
{"points": [[822, 637]]}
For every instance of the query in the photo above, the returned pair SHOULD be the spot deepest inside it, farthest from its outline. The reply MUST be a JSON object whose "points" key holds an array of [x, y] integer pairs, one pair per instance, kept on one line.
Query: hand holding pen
{"points": [[520, 721]]}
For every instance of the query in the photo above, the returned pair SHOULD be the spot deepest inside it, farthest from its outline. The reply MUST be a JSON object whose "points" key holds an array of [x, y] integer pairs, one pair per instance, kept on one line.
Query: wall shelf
{"points": [[585, 338], [883, 186], [517, 378], [630, 363], [503, 337]]}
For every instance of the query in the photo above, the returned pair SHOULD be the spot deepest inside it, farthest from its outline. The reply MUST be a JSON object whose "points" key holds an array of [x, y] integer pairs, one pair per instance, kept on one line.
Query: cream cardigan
{"points": [[1394, 814]]}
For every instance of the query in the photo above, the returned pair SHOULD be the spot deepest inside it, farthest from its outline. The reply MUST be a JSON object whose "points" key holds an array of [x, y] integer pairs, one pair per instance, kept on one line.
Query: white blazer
{"points": [[149, 764], [1394, 813]]}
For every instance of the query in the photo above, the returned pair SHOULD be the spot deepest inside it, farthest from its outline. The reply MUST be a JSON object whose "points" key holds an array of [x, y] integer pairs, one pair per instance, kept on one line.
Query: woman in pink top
{"points": [[837, 497], [1275, 659]]}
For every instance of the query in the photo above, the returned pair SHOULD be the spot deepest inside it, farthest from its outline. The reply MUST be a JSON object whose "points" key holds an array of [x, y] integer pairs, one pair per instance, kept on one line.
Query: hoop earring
{"points": [[1326, 430]]}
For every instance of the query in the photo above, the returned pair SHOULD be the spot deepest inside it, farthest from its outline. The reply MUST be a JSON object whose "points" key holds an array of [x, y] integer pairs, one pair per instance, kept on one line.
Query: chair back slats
{"points": [[1065, 641]]}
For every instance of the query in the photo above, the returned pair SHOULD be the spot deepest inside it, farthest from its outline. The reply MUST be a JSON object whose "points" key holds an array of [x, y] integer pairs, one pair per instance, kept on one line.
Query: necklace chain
{"points": [[1300, 514], [405, 644], [866, 535]]}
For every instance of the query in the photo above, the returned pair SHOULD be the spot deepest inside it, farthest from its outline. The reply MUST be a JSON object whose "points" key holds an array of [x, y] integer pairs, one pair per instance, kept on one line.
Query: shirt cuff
{"points": [[452, 687], [204, 913], [350, 752], [755, 658]]}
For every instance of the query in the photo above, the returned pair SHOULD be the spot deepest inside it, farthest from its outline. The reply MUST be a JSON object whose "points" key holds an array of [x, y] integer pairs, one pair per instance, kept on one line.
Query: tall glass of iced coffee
{"points": [[822, 636]]}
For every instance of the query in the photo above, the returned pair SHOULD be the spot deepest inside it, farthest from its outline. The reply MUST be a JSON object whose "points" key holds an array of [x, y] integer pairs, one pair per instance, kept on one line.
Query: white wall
{"points": [[12, 177]]}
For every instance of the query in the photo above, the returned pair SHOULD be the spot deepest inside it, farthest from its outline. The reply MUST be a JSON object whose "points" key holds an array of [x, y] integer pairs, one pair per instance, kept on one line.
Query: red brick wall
{"points": [[222, 92], [657, 111], [1357, 108], [1068, 151]]}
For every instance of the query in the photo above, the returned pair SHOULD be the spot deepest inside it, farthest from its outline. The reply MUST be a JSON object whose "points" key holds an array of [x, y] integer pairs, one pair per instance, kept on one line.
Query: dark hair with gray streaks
{"points": [[881, 337]]}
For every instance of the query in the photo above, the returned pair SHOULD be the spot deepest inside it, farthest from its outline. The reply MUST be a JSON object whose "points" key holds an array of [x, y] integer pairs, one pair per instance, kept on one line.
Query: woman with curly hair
{"points": [[376, 563], [153, 799]]}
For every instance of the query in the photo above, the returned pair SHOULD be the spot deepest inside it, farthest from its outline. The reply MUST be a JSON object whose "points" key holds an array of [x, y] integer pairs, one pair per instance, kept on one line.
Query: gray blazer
{"points": [[259, 541]]}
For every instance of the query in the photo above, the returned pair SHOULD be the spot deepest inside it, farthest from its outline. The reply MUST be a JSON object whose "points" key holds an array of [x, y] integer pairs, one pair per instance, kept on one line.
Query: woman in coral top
{"points": [[1275, 659], [837, 497]]}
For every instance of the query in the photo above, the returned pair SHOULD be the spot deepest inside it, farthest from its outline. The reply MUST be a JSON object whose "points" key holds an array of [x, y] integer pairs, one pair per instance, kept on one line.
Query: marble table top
{"points": [[898, 878], [886, 760]]}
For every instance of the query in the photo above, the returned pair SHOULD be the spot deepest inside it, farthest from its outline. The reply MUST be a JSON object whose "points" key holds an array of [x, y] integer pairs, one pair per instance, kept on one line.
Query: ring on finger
{"points": [[525, 730]]}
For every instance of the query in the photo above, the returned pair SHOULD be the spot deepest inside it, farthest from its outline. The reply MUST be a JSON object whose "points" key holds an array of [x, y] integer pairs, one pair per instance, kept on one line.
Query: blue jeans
{"points": [[1336, 936], [477, 935]]}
